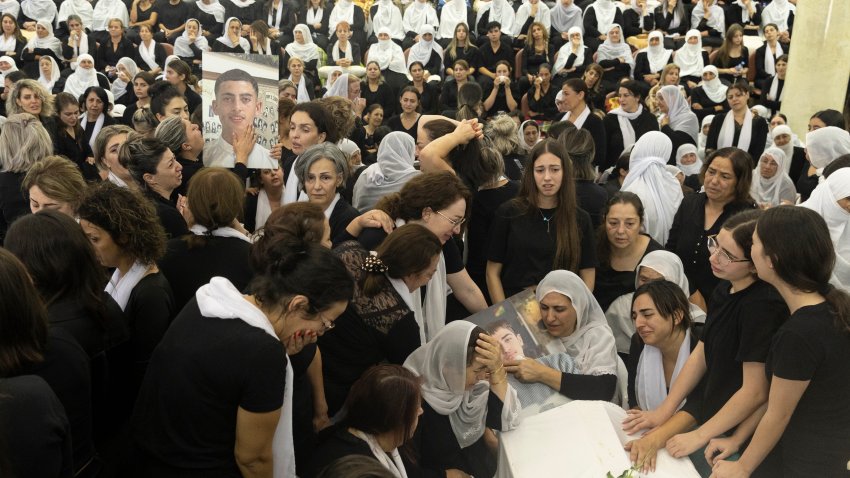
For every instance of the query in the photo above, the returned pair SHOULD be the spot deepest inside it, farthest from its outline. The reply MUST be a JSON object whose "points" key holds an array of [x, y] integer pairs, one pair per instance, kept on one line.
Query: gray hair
{"points": [[502, 132], [172, 132], [327, 151], [23, 141], [36, 87]]}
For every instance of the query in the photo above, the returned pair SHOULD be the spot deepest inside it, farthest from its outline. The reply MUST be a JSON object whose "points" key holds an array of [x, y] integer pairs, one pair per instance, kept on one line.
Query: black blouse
{"points": [[611, 283], [644, 123]]}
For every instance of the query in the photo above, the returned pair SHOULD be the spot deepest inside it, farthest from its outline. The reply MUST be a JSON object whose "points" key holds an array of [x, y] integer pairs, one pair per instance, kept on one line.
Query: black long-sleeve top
{"points": [[471, 55], [644, 123], [326, 12], [383, 96], [758, 136], [593, 124], [288, 17], [429, 99], [108, 54], [579, 69], [544, 107], [631, 23], [642, 66], [773, 105], [761, 51], [732, 62], [688, 240], [159, 56], [355, 53], [699, 97], [532, 59], [663, 19], [591, 25]]}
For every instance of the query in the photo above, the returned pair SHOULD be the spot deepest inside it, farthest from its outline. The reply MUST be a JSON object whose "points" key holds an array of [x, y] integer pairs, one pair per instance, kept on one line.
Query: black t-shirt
{"points": [[484, 206], [371, 238], [738, 328], [489, 58], [170, 15], [611, 284], [204, 370], [395, 124], [808, 346], [525, 245]]}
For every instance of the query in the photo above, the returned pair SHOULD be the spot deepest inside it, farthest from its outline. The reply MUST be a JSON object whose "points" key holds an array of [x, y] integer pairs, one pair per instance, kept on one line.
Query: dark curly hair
{"points": [[128, 217], [298, 221]]}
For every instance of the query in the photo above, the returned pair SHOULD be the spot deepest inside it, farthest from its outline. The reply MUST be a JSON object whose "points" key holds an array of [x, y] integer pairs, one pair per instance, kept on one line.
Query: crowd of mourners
{"points": [[630, 164]]}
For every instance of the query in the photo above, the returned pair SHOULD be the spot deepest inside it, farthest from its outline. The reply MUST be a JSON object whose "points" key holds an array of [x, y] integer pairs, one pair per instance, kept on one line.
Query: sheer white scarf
{"points": [[774, 89], [54, 75], [181, 43], [824, 145], [49, 42], [679, 112], [307, 51], [624, 118], [215, 8], [688, 169], [612, 51], [716, 20], [120, 287], [689, 57], [650, 386], [727, 131], [388, 16], [770, 190], [566, 17], [393, 169], [343, 10], [81, 8], [824, 201], [389, 460], [566, 50]]}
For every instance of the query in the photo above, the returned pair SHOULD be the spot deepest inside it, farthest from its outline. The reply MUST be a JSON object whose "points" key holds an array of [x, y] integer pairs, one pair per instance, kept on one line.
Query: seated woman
{"points": [[708, 18], [113, 48], [157, 173], [528, 13], [42, 44], [217, 245], [709, 98], [679, 123], [260, 37], [301, 80], [150, 55], [384, 321], [597, 20], [503, 94], [650, 61], [732, 58], [429, 91], [662, 344], [460, 47], [461, 72], [465, 391], [627, 123], [537, 51], [348, 11], [541, 96], [12, 42], [571, 315], [638, 21], [315, 15], [691, 59], [546, 210], [382, 412], [102, 16], [304, 49], [390, 59], [408, 120], [417, 15], [615, 58], [729, 358], [773, 88], [96, 106], [231, 379], [343, 55], [322, 170], [122, 87], [573, 57], [211, 15], [688, 161], [427, 52], [231, 40], [191, 44], [771, 184], [738, 127]]}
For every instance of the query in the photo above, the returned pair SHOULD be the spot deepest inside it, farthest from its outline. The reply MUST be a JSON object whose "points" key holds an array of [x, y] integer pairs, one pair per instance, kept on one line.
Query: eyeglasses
{"points": [[725, 259], [455, 222]]}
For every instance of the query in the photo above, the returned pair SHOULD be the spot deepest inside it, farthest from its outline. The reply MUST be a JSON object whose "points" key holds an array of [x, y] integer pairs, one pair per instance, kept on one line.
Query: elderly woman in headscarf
{"points": [[122, 87], [571, 316], [771, 185], [689, 164], [48, 72], [710, 96], [573, 57], [418, 14], [691, 59], [598, 19], [659, 191], [231, 39], [783, 138], [43, 43], [191, 44], [657, 265], [528, 134], [385, 14], [428, 52], [678, 123], [83, 77], [465, 391], [390, 59], [650, 61], [7, 65], [615, 58], [702, 138], [831, 199], [564, 16], [392, 170], [304, 48]]}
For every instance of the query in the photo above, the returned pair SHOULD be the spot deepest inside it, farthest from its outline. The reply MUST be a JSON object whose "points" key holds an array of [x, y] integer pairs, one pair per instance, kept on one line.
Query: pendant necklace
{"points": [[546, 219]]}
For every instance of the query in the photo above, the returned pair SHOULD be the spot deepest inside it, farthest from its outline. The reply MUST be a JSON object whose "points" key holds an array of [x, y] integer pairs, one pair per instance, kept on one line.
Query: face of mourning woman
{"points": [[115, 29], [461, 33], [622, 225], [110, 157], [558, 315], [781, 68], [768, 166], [303, 132], [708, 76], [782, 140], [40, 31], [726, 257], [720, 180], [475, 372], [297, 319], [321, 182], [531, 134], [688, 159], [548, 175], [290, 93], [614, 35], [271, 179], [29, 101], [373, 71], [409, 102], [460, 73], [445, 223], [108, 252], [94, 105], [376, 117], [771, 33], [652, 327], [647, 274], [572, 99], [661, 104], [417, 73], [70, 115], [296, 68], [42, 202], [628, 100], [46, 66], [169, 173], [140, 88], [421, 278], [763, 265], [737, 99], [234, 29], [8, 26], [693, 40], [145, 34]]}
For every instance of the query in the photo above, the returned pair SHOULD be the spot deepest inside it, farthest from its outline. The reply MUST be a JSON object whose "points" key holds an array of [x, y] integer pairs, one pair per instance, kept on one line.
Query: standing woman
{"points": [[615, 57], [573, 57], [678, 122], [803, 423], [29, 96], [738, 127], [733, 56], [69, 136], [391, 171], [627, 123], [650, 62], [465, 391], [408, 120], [42, 44], [542, 229], [691, 59], [727, 176], [575, 101], [231, 40], [186, 141], [599, 16], [771, 184]]}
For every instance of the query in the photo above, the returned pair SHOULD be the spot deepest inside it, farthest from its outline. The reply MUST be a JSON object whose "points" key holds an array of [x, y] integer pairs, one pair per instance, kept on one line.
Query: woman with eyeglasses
{"points": [[729, 359], [727, 176]]}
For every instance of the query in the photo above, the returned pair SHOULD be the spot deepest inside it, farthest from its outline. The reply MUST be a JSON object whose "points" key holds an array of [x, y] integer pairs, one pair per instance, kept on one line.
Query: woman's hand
{"points": [[719, 449], [643, 452], [696, 106], [489, 352], [684, 444], [526, 370], [729, 469], [637, 420], [321, 421], [376, 219], [243, 144], [455, 473], [276, 152], [467, 130], [183, 209], [298, 340]]}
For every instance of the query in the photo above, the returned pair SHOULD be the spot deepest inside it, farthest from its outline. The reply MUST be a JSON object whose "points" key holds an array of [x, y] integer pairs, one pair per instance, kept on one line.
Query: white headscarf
{"points": [[564, 18], [388, 15], [12, 66], [181, 43], [670, 267], [770, 59], [703, 138], [54, 74], [343, 10], [441, 363], [680, 114], [624, 119], [418, 14], [716, 21], [611, 51], [714, 89], [225, 39], [592, 343], [521, 135], [659, 191], [339, 87], [81, 8], [657, 55], [777, 12], [788, 149], [606, 11], [543, 16], [388, 54], [11, 7], [421, 50], [772, 190], [215, 9], [567, 49], [220, 299], [727, 131], [689, 57], [119, 87], [688, 169], [39, 9], [500, 11], [824, 145], [106, 10], [393, 169], [307, 51], [452, 13], [824, 202], [49, 42], [82, 78]]}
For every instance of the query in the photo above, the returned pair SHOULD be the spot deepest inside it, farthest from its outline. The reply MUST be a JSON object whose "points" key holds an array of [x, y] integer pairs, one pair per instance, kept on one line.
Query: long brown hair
{"points": [[23, 317], [408, 250], [723, 51], [565, 222]]}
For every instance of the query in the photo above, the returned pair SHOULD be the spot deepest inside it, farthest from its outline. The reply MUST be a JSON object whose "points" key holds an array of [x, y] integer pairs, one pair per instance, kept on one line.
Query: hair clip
{"points": [[374, 264]]}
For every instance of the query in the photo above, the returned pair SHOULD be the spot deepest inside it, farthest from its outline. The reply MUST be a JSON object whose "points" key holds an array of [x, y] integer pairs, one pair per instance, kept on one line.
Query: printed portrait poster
{"points": [[239, 92]]}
